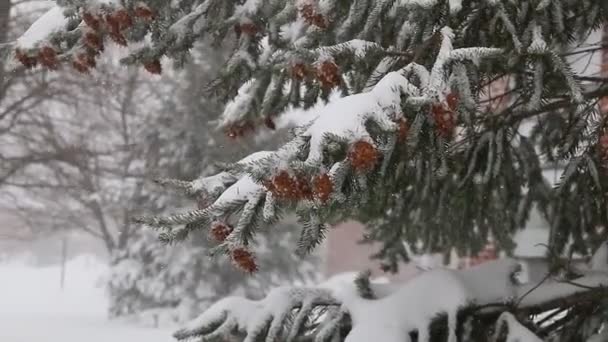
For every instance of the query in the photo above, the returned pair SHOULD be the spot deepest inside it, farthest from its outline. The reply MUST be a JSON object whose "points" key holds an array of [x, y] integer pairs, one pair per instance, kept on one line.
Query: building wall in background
{"points": [[343, 253]]}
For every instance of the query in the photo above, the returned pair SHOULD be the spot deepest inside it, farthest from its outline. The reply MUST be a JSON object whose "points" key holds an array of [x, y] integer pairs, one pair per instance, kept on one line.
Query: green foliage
{"points": [[437, 189]]}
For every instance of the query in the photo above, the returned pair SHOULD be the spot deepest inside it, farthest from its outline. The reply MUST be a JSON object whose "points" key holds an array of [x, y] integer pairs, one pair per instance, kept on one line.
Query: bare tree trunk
{"points": [[5, 12]]}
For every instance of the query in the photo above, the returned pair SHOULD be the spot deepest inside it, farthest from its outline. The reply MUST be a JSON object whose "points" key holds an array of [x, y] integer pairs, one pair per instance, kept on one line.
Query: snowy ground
{"points": [[33, 308]]}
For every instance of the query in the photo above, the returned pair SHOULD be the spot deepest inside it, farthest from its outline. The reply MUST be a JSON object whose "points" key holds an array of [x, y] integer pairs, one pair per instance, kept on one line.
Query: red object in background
{"points": [[488, 253]]}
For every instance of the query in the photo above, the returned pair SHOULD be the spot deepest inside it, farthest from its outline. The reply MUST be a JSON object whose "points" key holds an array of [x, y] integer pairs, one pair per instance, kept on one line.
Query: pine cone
{"points": [[312, 16], [303, 189], [282, 185], [270, 123], [244, 260], [118, 38], [308, 12], [452, 100], [363, 156], [319, 21], [239, 130], [154, 67], [81, 68], [249, 29], [444, 119], [328, 75], [322, 187], [93, 41], [123, 19], [286, 187], [299, 71], [83, 62], [47, 56], [220, 231], [92, 20], [27, 61], [144, 12]]}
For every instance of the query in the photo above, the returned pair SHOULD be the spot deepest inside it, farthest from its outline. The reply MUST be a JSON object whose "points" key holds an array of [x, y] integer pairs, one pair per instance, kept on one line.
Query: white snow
{"points": [[250, 7], [240, 104], [33, 307], [294, 30], [346, 117], [400, 308], [553, 290], [516, 331], [211, 183], [256, 156], [599, 261], [357, 46], [531, 242], [244, 189], [52, 21], [538, 43]]}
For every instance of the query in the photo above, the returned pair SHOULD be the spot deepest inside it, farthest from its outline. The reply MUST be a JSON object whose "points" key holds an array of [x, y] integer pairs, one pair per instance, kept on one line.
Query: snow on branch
{"points": [[396, 311], [309, 170], [516, 332], [253, 317], [52, 21]]}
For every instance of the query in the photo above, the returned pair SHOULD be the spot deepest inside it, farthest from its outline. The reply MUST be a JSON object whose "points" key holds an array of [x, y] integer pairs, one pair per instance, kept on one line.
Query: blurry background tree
{"points": [[79, 153]]}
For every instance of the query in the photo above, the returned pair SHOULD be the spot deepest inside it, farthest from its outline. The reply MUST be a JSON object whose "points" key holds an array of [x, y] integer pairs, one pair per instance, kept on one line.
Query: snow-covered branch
{"points": [[397, 311]]}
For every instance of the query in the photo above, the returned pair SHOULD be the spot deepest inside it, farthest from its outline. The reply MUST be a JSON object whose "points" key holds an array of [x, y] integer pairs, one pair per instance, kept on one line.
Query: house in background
{"points": [[343, 253]]}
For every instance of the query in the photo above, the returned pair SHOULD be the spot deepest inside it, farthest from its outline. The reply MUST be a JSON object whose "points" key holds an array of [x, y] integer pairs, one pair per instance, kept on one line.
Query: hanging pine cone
{"points": [[144, 12], [403, 130], [287, 187], [123, 19], [83, 62], [319, 21], [299, 71], [328, 74], [118, 38], [47, 56], [363, 156], [308, 12], [311, 15], [452, 101], [238, 130], [249, 29], [303, 188], [117, 22], [322, 187], [444, 119], [244, 260], [282, 185], [154, 67], [81, 68], [93, 41], [219, 231], [270, 123], [92, 20], [27, 61]]}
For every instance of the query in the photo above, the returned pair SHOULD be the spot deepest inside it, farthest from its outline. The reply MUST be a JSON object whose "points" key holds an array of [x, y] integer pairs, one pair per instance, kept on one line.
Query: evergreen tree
{"points": [[399, 136], [176, 282]]}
